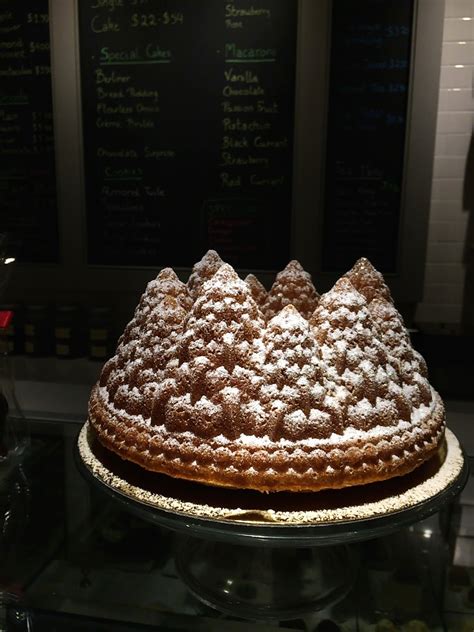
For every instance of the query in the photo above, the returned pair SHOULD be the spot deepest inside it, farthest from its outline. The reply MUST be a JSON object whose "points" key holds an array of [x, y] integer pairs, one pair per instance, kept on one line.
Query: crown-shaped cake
{"points": [[222, 382]]}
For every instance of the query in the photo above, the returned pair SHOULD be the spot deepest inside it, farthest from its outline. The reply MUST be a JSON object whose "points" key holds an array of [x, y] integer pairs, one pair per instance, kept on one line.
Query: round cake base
{"points": [[325, 517]]}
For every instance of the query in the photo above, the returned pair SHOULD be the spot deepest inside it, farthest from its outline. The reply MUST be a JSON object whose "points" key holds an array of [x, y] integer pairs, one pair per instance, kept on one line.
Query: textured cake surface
{"points": [[292, 286], [220, 382]]}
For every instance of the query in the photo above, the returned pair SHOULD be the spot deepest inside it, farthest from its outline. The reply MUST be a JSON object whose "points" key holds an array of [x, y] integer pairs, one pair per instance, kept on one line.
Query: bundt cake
{"points": [[217, 381]]}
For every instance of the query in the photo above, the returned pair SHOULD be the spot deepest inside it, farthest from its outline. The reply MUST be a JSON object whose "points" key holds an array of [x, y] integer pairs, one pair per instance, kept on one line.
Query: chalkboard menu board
{"points": [[27, 171], [188, 129], [367, 115]]}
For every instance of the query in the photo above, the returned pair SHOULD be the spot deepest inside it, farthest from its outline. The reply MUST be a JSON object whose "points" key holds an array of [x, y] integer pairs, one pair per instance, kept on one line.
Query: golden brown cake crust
{"points": [[368, 281], [258, 291], [292, 286], [276, 467]]}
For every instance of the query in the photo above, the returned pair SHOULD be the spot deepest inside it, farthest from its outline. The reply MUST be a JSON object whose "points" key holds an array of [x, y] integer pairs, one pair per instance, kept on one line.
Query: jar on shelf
{"points": [[68, 332], [99, 333], [8, 330], [38, 330]]}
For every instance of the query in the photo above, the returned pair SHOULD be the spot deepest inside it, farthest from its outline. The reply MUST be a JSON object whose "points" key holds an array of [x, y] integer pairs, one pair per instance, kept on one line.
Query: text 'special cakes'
{"points": [[220, 382]]}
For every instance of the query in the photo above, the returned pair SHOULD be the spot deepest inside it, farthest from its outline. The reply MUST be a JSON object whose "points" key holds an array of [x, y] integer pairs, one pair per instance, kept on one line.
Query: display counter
{"points": [[74, 558]]}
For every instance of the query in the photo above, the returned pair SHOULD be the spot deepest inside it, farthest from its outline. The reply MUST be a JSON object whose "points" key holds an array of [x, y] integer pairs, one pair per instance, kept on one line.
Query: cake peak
{"points": [[251, 278], [257, 289], [344, 285], [203, 270], [343, 292], [167, 274], [396, 338], [292, 285], [364, 263], [293, 269], [209, 257], [227, 298], [368, 280], [225, 274], [166, 283], [289, 318], [295, 265]]}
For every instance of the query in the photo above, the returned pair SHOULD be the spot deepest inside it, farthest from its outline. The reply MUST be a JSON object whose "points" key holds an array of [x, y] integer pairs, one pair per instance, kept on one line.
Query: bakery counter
{"points": [[72, 558]]}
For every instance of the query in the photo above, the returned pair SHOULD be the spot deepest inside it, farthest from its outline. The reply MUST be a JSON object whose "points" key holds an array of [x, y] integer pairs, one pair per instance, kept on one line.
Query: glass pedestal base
{"points": [[265, 583]]}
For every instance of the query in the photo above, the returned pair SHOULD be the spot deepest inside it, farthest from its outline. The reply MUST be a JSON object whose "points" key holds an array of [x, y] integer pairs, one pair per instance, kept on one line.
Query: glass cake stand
{"points": [[271, 556]]}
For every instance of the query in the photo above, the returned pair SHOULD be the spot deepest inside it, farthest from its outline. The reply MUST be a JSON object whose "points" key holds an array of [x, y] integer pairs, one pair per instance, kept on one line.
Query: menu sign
{"points": [[188, 129], [370, 61], [27, 172]]}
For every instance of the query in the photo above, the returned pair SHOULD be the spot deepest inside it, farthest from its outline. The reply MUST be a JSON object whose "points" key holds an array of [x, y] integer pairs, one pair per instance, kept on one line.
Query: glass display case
{"points": [[74, 558]]}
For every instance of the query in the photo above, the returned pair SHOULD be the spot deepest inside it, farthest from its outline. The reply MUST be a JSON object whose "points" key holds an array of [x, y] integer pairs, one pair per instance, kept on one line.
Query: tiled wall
{"points": [[445, 273]]}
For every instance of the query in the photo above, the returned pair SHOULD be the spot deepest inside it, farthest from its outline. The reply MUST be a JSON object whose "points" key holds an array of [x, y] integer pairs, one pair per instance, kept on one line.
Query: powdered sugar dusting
{"points": [[146, 346], [230, 341], [211, 368], [397, 340], [292, 286], [356, 358], [367, 508], [203, 271], [368, 281]]}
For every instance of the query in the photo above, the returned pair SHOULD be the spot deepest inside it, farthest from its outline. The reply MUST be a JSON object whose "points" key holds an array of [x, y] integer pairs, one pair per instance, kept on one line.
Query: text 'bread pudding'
{"points": [[221, 382]]}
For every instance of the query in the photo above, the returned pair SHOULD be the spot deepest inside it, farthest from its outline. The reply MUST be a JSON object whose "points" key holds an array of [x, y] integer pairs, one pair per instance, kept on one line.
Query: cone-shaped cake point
{"points": [[257, 289], [203, 270], [368, 280], [292, 285]]}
